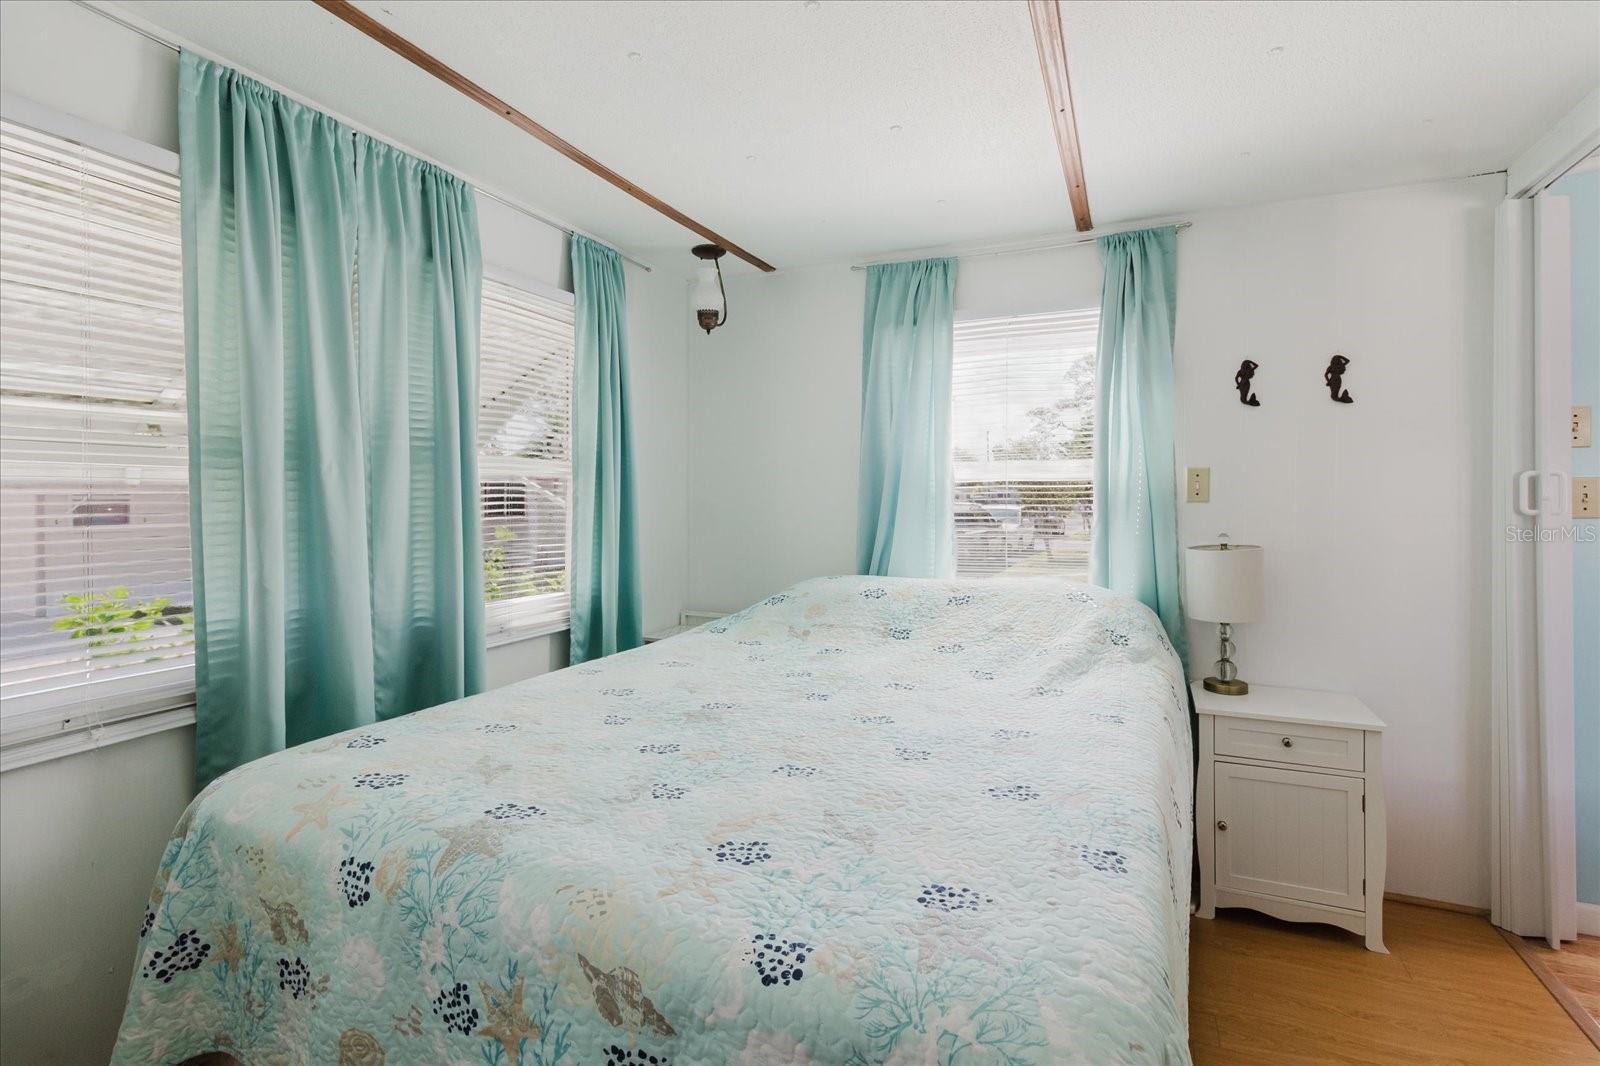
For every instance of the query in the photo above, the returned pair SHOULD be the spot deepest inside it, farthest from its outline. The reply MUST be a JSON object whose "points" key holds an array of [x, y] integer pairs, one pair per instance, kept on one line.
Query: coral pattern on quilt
{"points": [[868, 820]]}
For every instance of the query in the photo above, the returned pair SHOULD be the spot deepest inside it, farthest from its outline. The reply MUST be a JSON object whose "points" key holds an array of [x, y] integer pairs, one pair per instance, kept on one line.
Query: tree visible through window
{"points": [[1022, 430], [95, 596], [524, 455]]}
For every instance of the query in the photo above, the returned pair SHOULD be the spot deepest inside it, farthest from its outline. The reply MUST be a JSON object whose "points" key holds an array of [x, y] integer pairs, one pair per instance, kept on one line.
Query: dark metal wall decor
{"points": [[1241, 381], [1333, 377]]}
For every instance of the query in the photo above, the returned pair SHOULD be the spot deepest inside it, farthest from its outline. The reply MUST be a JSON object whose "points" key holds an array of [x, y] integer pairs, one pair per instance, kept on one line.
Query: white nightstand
{"points": [[1290, 809], [687, 620]]}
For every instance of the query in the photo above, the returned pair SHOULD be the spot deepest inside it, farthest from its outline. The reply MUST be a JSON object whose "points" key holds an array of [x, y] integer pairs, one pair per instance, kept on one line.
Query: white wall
{"points": [[1374, 515], [1371, 513], [774, 399], [80, 836]]}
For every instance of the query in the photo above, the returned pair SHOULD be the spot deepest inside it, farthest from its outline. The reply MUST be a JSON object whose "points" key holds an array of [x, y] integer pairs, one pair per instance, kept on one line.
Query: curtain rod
{"points": [[1020, 248], [175, 46]]}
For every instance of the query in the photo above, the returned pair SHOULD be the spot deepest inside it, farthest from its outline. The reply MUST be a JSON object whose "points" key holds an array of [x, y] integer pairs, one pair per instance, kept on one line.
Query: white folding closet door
{"points": [[1553, 550]]}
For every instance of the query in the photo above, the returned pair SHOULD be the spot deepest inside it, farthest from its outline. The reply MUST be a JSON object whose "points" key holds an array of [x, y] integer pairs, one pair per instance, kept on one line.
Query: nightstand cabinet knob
{"points": [[1223, 826], [1288, 742]]}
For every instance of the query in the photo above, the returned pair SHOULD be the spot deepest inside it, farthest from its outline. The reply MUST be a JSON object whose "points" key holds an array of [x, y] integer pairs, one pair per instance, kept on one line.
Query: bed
{"points": [[866, 820]]}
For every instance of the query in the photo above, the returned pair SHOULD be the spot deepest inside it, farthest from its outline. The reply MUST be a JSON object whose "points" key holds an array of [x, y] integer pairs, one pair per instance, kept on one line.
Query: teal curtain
{"points": [[607, 614], [420, 288], [905, 523], [1135, 540], [299, 480]]}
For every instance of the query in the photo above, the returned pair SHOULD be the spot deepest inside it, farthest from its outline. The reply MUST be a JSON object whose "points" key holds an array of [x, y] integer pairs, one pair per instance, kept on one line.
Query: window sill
{"points": [[59, 746], [497, 638], [176, 714]]}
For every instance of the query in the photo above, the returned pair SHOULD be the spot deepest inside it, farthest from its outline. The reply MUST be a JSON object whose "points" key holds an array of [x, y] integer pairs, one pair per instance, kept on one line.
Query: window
{"points": [[1022, 428], [96, 600], [524, 456], [96, 616]]}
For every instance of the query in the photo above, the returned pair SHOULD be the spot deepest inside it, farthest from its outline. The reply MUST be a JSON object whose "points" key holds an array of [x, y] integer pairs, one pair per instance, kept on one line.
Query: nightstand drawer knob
{"points": [[1223, 826], [1288, 742]]}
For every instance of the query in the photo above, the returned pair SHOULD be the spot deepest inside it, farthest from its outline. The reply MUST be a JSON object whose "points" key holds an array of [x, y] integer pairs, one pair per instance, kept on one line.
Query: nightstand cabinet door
{"points": [[1293, 834]]}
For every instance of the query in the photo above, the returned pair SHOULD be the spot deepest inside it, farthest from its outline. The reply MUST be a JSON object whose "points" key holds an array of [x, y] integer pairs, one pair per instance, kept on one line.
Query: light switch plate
{"points": [[1586, 497], [1582, 426], [1199, 484]]}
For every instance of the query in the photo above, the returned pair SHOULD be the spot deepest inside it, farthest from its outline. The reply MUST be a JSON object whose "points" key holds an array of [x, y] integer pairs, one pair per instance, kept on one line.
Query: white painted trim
{"points": [[25, 112], [526, 282], [1564, 144], [1589, 919], [29, 753]]}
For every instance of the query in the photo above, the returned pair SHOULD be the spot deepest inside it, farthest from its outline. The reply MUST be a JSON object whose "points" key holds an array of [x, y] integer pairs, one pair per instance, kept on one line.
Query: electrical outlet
{"points": [[1582, 426], [1199, 484], [1586, 497]]}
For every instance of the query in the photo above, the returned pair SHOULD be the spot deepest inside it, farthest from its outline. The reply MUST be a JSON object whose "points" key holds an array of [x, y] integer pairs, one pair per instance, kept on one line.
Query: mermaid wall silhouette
{"points": [[1333, 377], [1241, 381]]}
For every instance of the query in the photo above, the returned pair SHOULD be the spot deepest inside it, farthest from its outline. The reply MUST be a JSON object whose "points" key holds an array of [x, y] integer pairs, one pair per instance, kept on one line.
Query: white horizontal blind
{"points": [[525, 456], [1022, 430], [95, 594]]}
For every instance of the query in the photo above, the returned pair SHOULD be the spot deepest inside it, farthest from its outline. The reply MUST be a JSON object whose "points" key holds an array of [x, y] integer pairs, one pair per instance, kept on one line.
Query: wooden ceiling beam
{"points": [[1052, 44], [397, 44]]}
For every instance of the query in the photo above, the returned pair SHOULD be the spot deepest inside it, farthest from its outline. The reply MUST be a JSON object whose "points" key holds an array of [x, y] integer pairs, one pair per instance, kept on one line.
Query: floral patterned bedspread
{"points": [[866, 820]]}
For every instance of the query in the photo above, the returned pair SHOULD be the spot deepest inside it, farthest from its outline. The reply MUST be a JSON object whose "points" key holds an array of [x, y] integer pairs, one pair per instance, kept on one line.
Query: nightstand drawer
{"points": [[1303, 745]]}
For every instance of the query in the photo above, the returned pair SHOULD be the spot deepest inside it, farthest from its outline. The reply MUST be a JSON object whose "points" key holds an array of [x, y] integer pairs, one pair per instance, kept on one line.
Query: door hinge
{"points": [[1363, 804], [1363, 886]]}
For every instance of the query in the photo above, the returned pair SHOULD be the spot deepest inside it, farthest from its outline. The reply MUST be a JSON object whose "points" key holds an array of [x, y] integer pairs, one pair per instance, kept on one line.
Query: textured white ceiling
{"points": [[1193, 105], [773, 120]]}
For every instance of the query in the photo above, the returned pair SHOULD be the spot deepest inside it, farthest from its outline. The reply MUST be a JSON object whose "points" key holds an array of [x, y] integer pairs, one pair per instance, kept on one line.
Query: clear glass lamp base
{"points": [[1226, 682]]}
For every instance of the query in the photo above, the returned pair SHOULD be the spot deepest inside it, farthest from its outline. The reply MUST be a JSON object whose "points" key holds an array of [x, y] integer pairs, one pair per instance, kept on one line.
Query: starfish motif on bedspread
{"points": [[316, 811], [508, 1024], [697, 880], [487, 769], [476, 839]]}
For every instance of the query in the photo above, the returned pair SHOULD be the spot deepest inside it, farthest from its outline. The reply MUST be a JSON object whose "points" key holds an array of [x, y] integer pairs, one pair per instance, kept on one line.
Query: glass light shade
{"points": [[1222, 583], [707, 294]]}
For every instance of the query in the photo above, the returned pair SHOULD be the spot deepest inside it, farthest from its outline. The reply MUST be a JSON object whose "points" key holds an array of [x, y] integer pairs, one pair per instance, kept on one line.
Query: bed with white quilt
{"points": [[867, 820]]}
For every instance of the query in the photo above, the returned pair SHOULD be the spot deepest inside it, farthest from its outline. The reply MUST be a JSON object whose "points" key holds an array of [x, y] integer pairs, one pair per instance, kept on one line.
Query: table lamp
{"points": [[1223, 584]]}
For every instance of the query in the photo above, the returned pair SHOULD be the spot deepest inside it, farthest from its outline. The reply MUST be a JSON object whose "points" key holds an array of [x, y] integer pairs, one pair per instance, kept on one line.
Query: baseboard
{"points": [[1589, 919], [1437, 904]]}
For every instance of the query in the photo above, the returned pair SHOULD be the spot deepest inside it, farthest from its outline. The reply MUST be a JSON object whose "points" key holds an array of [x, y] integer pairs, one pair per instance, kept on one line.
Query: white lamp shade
{"points": [[1223, 582], [707, 294]]}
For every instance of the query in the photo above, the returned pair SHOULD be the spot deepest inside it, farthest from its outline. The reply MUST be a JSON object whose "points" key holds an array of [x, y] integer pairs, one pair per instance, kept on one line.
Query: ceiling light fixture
{"points": [[710, 298]]}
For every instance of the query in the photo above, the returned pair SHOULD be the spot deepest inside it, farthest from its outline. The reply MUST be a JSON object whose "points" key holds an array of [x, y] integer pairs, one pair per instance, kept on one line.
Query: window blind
{"points": [[96, 615], [1022, 429], [525, 456]]}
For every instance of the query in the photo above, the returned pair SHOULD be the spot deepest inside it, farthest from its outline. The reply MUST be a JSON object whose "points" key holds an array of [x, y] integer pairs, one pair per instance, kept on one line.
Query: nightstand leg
{"points": [[1377, 830], [1205, 809]]}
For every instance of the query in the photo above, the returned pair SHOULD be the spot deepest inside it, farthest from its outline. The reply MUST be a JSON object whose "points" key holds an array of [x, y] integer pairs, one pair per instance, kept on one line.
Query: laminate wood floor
{"points": [[1576, 968], [1269, 993]]}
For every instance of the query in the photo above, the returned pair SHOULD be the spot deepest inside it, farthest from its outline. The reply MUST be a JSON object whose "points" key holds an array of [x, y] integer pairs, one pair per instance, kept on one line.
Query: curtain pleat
{"points": [[1135, 541], [419, 299], [314, 518], [607, 612], [905, 512]]}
